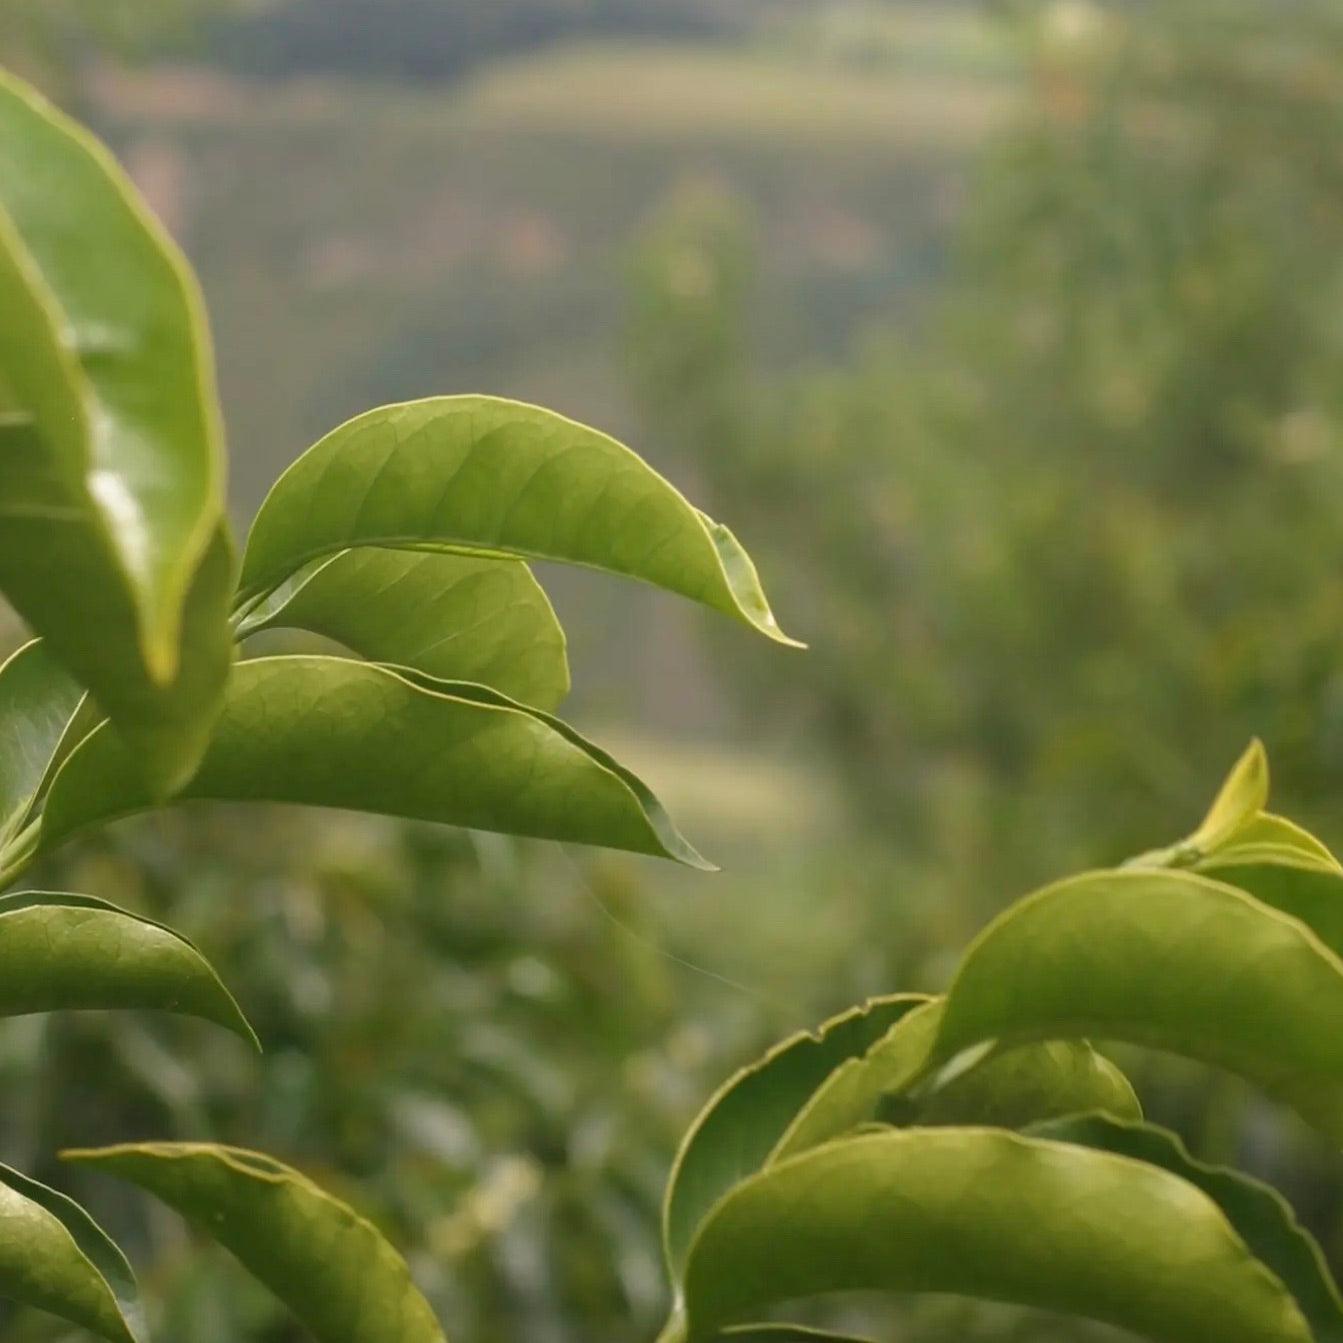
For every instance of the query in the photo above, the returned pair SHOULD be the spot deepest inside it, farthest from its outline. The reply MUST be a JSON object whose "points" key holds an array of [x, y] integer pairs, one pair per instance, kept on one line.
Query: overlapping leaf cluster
{"points": [[977, 1143], [401, 537]]}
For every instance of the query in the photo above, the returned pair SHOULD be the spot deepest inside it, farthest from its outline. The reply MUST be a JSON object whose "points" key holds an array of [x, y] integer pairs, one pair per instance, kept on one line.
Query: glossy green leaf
{"points": [[1167, 959], [65, 952], [111, 461], [457, 618], [485, 476], [332, 1268], [991, 1214], [736, 1131], [37, 702], [1260, 1215], [96, 636], [333, 732], [55, 1257]]}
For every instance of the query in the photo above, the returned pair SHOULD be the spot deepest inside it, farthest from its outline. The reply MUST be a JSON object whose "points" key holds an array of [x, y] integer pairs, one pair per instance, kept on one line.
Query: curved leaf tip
{"points": [[62, 952], [496, 478], [55, 1257], [334, 732], [1244, 793]]}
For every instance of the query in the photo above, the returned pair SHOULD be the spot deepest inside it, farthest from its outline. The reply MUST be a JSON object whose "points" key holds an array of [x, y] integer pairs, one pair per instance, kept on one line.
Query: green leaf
{"points": [[1167, 959], [159, 730], [484, 476], [1264, 828], [1236, 822], [986, 1213], [55, 1257], [75, 952], [1007, 1087], [1014, 1087], [37, 702], [60, 576], [1244, 793], [1262, 1218], [736, 1131], [332, 1268], [111, 460], [457, 618], [118, 378], [853, 1092], [1239, 804], [1289, 879], [332, 732]]}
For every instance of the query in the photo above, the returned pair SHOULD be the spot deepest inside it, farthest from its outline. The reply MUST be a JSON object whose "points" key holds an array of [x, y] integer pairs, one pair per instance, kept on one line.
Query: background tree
{"points": [[1068, 491]]}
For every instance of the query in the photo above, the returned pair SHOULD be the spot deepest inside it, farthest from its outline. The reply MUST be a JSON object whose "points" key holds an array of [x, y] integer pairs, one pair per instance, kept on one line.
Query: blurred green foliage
{"points": [[1062, 549], [457, 1041]]}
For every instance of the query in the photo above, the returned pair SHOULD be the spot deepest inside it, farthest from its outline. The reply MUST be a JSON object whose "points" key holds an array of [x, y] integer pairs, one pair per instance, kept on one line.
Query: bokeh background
{"points": [[1008, 337]]}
